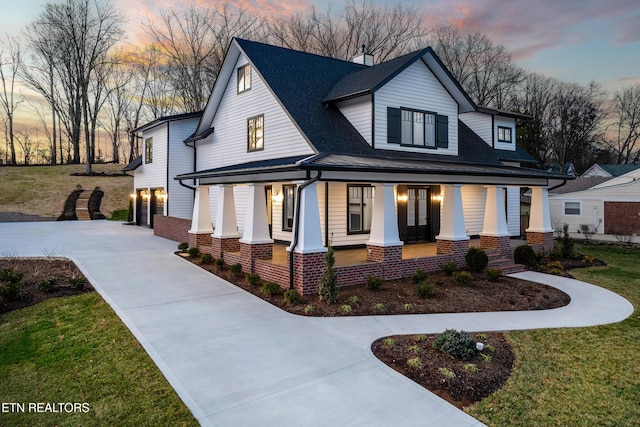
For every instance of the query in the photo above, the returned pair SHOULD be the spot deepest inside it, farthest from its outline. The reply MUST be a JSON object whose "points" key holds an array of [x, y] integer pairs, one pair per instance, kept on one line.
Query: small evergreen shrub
{"points": [[568, 249], [471, 367], [524, 254], [389, 342], [420, 338], [447, 373], [448, 267], [414, 363], [425, 289], [206, 259], [77, 282], [48, 284], [328, 284], [236, 269], [10, 275], [354, 300], [419, 276], [292, 296], [218, 262], [476, 259], [193, 252], [374, 283], [346, 308], [457, 344], [182, 247], [10, 291], [252, 278], [378, 307], [462, 277], [407, 307], [270, 288], [589, 259], [493, 274], [308, 309], [415, 349]]}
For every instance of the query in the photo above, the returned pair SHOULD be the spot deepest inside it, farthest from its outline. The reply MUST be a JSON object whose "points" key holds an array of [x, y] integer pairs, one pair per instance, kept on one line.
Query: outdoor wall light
{"points": [[437, 197], [133, 196], [403, 197]]}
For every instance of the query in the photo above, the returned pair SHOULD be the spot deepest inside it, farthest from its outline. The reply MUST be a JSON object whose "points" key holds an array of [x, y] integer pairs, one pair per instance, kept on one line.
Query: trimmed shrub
{"points": [[493, 274], [252, 278], [48, 284], [292, 296], [425, 289], [524, 254], [457, 344], [206, 259], [476, 259], [374, 283], [328, 284], [218, 262], [193, 252], [10, 291], [462, 277], [236, 269], [182, 247], [10, 275], [270, 288], [449, 267], [77, 282], [419, 276]]}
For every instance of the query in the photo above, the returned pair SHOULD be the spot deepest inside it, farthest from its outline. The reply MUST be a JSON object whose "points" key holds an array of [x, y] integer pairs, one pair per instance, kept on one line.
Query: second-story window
{"points": [[148, 150], [256, 133], [417, 128], [244, 78], [504, 134]]}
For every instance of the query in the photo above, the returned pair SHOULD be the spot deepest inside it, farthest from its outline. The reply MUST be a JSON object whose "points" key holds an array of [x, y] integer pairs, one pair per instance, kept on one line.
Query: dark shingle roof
{"points": [[579, 184], [617, 170], [165, 119], [135, 164], [519, 155]]}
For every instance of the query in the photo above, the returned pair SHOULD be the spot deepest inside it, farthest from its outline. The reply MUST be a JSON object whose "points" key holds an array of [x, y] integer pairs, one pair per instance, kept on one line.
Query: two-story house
{"points": [[308, 151]]}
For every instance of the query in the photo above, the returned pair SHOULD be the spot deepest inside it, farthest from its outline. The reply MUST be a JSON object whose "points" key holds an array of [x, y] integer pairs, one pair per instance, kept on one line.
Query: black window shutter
{"points": [[442, 132], [394, 125]]}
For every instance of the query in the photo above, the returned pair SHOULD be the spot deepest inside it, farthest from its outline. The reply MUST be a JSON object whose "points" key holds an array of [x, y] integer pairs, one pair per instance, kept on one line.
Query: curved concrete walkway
{"points": [[235, 360]]}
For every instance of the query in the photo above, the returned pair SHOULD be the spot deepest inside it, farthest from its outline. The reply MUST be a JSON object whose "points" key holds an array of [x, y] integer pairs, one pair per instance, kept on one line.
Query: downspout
{"points": [[296, 225]]}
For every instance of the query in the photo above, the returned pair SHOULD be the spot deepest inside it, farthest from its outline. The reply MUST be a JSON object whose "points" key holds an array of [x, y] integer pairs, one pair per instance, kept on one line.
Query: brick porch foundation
{"points": [[176, 229], [250, 252], [225, 244], [540, 242], [390, 257], [501, 244], [456, 248], [307, 270], [198, 240]]}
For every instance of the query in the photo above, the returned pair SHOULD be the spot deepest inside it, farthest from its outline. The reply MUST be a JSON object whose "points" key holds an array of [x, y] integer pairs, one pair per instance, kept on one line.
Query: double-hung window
{"points": [[360, 208], [255, 131], [572, 208], [288, 206], [418, 128], [148, 150], [244, 78], [504, 134]]}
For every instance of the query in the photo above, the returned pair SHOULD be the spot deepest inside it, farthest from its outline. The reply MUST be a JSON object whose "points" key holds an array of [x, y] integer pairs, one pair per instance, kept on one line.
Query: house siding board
{"points": [[513, 211], [338, 217], [591, 213], [154, 174], [473, 203], [508, 123], [480, 123], [227, 145], [180, 199], [415, 87], [358, 112]]}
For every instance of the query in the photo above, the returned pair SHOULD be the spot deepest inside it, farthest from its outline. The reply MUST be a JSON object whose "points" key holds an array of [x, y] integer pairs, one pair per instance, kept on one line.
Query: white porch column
{"points": [[256, 226], [309, 238], [201, 218], [495, 219], [226, 224], [540, 217], [384, 218], [452, 216]]}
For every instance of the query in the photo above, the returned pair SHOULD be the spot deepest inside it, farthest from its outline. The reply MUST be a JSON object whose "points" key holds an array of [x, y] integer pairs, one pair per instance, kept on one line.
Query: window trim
{"points": [[362, 230], [395, 125], [505, 129], [284, 201], [424, 128], [564, 207], [148, 150], [243, 69], [261, 148]]}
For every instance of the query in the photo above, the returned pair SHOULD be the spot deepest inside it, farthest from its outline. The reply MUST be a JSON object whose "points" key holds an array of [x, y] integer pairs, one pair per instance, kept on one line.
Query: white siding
{"points": [[480, 123], [416, 87], [228, 143], [474, 198], [338, 217], [358, 112], [154, 174], [513, 211], [240, 194], [180, 199], [508, 123]]}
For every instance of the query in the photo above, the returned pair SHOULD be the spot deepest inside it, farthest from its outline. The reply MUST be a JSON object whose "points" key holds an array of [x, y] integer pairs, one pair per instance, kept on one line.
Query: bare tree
{"points": [[626, 115], [118, 101], [10, 63], [25, 142], [485, 70]]}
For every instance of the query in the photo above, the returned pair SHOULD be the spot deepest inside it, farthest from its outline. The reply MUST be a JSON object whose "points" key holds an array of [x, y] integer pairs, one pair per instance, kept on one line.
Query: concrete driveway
{"points": [[235, 360]]}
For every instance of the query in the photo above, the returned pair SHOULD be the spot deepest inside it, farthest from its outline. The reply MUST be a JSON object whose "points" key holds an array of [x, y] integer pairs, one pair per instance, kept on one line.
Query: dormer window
{"points": [[417, 128], [244, 78], [504, 134]]}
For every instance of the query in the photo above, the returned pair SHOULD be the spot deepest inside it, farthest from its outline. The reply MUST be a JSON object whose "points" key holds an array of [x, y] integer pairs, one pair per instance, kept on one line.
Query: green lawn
{"points": [[577, 377], [76, 349]]}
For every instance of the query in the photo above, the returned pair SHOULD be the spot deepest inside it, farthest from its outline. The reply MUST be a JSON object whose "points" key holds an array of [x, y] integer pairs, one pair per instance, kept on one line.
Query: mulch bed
{"points": [[35, 270], [399, 296], [470, 384]]}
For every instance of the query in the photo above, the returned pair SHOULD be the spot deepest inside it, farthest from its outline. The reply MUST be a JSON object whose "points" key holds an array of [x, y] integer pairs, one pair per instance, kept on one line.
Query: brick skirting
{"points": [[390, 257], [171, 228], [220, 246], [501, 244], [199, 240], [250, 252], [457, 249], [540, 242]]}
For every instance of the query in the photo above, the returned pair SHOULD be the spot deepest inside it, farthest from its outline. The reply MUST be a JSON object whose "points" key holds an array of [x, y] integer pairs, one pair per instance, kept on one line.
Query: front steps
{"points": [[497, 261]]}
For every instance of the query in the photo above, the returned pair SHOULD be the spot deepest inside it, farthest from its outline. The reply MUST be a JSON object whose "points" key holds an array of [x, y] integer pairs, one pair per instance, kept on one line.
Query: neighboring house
{"points": [[311, 151], [164, 156], [610, 171], [600, 204]]}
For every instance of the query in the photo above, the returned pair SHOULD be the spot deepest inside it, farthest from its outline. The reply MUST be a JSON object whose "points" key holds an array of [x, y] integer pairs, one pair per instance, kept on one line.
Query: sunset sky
{"points": [[574, 40]]}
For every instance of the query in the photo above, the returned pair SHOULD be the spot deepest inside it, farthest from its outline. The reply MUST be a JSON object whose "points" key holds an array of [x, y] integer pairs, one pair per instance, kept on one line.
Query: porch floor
{"points": [[357, 256]]}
